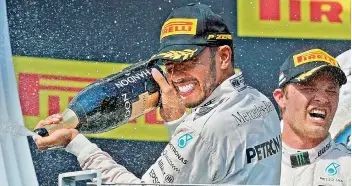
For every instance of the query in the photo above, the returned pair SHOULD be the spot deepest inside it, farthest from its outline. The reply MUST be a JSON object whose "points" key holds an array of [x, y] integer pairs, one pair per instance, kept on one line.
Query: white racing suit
{"points": [[233, 137], [328, 164]]}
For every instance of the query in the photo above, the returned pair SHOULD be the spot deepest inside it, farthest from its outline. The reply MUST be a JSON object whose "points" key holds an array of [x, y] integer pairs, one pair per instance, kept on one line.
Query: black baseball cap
{"points": [[304, 64], [188, 30]]}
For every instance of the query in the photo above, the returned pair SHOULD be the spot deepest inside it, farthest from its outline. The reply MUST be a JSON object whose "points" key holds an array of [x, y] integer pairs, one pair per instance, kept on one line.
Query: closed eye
{"points": [[306, 88], [333, 91]]}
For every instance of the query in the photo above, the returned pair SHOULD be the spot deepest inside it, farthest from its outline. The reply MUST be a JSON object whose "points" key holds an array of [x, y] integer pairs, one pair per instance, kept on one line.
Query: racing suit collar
{"points": [[223, 88], [297, 157]]}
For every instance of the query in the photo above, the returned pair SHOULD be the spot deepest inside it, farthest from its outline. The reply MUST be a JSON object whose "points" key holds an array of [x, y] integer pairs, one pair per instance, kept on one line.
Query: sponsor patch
{"points": [[283, 80], [183, 140], [179, 26], [299, 159], [169, 178], [282, 77], [238, 83], [264, 150], [210, 102], [324, 149], [312, 56], [219, 37], [206, 109], [177, 154], [169, 161], [256, 111], [331, 169], [153, 175], [161, 165]]}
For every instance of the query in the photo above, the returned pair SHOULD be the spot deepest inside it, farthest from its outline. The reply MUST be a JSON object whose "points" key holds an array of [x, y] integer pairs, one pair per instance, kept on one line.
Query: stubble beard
{"points": [[209, 84]]}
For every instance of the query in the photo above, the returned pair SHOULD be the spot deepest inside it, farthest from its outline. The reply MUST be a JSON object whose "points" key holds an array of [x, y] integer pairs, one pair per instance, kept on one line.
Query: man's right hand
{"points": [[61, 137], [172, 107]]}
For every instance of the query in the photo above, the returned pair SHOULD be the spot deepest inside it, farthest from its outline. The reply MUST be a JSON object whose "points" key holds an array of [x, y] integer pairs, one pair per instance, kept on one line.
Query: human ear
{"points": [[279, 95], [225, 54]]}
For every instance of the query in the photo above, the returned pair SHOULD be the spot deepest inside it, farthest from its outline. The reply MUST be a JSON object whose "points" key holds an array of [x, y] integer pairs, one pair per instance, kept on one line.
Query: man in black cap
{"points": [[233, 133], [308, 95]]}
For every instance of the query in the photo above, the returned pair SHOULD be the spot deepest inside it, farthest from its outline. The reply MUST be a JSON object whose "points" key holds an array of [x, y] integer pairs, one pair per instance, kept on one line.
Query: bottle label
{"points": [[145, 103], [133, 78]]}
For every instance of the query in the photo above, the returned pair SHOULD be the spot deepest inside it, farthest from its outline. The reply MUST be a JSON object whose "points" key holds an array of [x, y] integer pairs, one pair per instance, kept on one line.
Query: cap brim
{"points": [[178, 53], [336, 71]]}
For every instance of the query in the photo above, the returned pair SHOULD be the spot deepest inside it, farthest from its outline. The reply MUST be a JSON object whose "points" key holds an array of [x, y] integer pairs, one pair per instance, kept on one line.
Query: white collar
{"points": [[298, 157]]}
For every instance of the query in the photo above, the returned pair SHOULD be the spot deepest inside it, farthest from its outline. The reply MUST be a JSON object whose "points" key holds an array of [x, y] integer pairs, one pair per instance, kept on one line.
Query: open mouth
{"points": [[317, 114], [186, 88]]}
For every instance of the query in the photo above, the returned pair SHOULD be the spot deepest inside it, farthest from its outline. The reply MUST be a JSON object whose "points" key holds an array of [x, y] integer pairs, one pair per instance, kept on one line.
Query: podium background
{"points": [[113, 31]]}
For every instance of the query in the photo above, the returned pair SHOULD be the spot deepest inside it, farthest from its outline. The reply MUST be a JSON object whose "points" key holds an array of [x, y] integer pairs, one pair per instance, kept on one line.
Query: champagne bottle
{"points": [[111, 102]]}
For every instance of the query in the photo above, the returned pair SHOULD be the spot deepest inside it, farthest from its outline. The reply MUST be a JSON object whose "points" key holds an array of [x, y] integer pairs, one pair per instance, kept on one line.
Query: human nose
{"points": [[321, 96]]}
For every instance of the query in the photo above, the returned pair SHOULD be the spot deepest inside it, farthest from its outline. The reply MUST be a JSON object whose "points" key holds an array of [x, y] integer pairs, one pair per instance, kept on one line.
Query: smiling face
{"points": [[308, 108], [194, 80]]}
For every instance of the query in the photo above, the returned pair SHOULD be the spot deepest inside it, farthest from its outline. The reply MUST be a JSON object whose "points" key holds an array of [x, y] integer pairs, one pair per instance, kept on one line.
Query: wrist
{"points": [[74, 133]]}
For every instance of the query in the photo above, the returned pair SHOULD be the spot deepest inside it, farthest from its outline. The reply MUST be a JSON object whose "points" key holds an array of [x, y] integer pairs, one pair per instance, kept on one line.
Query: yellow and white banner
{"points": [[308, 19], [46, 86]]}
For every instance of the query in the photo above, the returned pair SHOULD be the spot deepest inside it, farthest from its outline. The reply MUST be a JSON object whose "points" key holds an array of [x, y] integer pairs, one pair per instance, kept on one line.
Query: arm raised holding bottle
{"points": [[92, 157]]}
